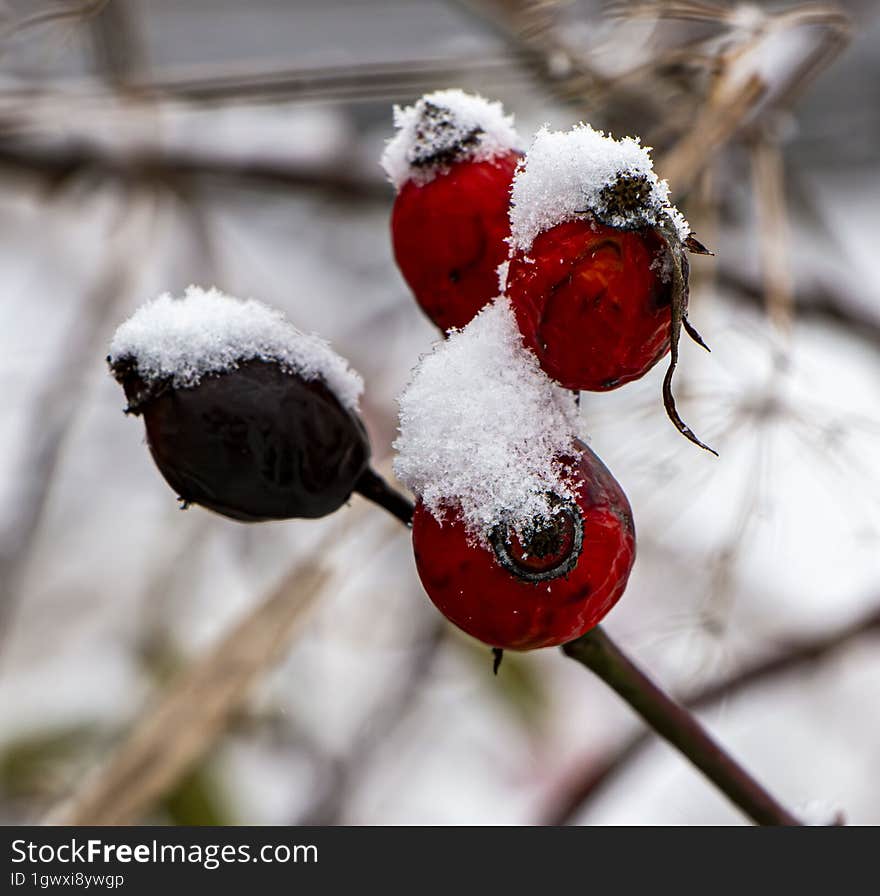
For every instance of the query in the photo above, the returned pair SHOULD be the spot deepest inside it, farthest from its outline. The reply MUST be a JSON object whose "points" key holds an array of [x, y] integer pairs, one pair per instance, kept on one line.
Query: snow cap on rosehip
{"points": [[482, 427], [244, 414], [598, 272], [442, 128], [452, 162], [521, 536], [582, 171]]}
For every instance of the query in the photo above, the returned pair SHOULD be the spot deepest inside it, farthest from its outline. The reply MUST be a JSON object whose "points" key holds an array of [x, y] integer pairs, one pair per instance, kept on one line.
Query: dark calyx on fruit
{"points": [[545, 549], [535, 586], [626, 197], [440, 138], [257, 442]]}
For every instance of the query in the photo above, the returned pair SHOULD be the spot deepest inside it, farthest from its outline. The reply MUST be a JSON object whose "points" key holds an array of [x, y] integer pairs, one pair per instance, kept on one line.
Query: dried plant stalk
{"points": [[715, 125], [769, 190], [75, 12], [182, 726]]}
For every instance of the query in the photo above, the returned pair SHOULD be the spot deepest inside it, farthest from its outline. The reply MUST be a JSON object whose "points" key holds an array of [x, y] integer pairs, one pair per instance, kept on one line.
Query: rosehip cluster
{"points": [[522, 537], [595, 275], [595, 255]]}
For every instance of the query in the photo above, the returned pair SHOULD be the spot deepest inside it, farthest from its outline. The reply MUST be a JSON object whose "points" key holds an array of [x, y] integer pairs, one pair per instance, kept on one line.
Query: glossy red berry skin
{"points": [[449, 237], [472, 589], [593, 303]]}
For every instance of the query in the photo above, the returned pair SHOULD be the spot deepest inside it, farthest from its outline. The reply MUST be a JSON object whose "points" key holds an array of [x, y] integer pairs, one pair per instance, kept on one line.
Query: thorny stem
{"points": [[669, 719], [374, 488], [672, 721]]}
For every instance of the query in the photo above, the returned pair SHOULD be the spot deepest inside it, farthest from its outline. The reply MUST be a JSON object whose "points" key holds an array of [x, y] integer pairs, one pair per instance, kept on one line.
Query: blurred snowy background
{"points": [[149, 144]]}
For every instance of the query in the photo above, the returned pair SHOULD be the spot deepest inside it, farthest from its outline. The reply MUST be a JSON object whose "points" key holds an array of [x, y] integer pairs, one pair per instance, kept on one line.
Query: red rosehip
{"points": [[256, 442], [533, 584], [594, 302], [449, 237], [452, 162], [598, 273]]}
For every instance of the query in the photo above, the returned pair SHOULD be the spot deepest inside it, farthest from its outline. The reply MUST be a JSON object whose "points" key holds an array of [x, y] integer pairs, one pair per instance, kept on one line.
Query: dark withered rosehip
{"points": [[256, 442], [547, 585]]}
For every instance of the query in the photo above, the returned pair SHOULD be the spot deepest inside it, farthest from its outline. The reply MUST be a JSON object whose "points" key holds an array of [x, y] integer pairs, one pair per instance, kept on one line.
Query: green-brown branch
{"points": [[792, 658], [679, 726]]}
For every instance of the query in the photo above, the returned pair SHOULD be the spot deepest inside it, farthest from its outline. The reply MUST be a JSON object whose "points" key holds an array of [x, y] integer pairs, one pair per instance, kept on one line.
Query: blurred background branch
{"points": [[166, 742]]}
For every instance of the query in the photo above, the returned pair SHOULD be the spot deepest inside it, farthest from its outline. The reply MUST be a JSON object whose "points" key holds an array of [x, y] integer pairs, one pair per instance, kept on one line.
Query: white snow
{"points": [[501, 273], [207, 331], [439, 123], [482, 427], [773, 51], [747, 17], [564, 175]]}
